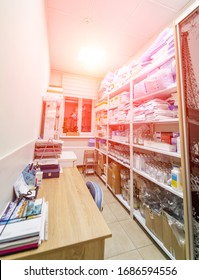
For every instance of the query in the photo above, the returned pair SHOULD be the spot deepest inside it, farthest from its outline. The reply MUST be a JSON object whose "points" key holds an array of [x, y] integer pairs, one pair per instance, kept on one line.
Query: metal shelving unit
{"points": [[167, 122]]}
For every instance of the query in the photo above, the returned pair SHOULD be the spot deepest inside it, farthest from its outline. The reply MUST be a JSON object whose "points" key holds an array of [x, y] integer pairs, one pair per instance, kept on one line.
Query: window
{"points": [[86, 115], [70, 115], [77, 115]]}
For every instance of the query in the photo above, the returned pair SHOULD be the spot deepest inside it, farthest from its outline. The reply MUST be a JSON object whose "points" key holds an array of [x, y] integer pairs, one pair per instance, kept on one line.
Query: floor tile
{"points": [[119, 211], [136, 233], [131, 255], [119, 242], [151, 252], [108, 214], [129, 241], [108, 197]]}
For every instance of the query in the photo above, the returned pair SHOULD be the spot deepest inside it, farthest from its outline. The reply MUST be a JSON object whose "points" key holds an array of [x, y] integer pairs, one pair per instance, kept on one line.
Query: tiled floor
{"points": [[129, 241]]}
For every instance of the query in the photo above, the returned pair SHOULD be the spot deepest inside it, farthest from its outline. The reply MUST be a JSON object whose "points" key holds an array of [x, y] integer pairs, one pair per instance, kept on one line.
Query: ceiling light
{"points": [[91, 56], [87, 20]]}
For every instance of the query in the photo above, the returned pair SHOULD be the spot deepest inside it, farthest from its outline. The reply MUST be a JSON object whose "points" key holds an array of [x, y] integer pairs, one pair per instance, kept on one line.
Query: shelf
{"points": [[120, 198], [119, 142], [120, 162], [158, 94], [76, 137], [168, 188], [166, 121], [100, 110], [101, 100], [118, 123], [141, 220], [101, 124], [143, 73], [103, 178], [172, 154], [101, 151], [172, 124], [124, 202], [116, 106], [125, 87], [100, 137]]}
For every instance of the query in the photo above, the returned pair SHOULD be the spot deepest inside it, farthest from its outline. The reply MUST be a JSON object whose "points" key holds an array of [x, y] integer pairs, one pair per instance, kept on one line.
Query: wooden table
{"points": [[76, 228]]}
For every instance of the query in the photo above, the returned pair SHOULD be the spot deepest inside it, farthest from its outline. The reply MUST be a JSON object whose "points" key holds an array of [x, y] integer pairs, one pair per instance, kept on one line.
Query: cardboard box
{"points": [[116, 186], [164, 137], [116, 170], [116, 180], [173, 236], [154, 222], [101, 160], [99, 171], [109, 174], [166, 232], [158, 224]]}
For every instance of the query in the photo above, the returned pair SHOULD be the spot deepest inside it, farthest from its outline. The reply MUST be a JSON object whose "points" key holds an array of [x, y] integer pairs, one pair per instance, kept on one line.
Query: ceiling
{"points": [[119, 27]]}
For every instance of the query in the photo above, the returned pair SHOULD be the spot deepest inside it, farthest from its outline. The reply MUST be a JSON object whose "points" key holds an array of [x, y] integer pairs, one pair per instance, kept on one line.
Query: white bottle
{"points": [[138, 162], [38, 176], [176, 178], [178, 144]]}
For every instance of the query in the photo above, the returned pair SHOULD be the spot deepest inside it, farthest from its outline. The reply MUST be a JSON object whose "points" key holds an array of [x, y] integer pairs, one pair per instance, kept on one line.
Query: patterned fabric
{"points": [[190, 85]]}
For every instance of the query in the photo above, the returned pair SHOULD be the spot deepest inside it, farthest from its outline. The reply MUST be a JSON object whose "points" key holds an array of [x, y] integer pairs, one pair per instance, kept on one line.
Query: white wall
{"points": [[56, 78], [24, 78]]}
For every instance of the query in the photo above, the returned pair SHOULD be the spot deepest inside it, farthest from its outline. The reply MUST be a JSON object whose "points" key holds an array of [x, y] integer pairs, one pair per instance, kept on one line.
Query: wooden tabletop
{"points": [[73, 216]]}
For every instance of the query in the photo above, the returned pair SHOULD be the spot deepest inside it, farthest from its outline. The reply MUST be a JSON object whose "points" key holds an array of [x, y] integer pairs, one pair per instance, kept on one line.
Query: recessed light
{"points": [[87, 20], [91, 56]]}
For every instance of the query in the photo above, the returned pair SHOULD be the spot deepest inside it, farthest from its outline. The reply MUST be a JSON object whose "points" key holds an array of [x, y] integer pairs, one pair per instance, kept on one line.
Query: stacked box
{"points": [[116, 184]]}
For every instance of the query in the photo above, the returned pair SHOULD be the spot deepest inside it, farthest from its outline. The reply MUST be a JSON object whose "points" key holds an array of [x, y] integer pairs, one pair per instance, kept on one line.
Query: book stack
{"points": [[22, 225]]}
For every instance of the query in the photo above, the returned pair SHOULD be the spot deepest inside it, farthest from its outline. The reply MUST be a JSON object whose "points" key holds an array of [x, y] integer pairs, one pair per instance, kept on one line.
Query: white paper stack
{"points": [[22, 226]]}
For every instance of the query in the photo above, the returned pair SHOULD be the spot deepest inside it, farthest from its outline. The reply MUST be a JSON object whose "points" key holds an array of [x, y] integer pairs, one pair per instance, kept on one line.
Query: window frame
{"points": [[79, 122]]}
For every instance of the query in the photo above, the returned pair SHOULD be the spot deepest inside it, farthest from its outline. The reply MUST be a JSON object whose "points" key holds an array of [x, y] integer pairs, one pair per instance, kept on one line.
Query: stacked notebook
{"points": [[22, 225]]}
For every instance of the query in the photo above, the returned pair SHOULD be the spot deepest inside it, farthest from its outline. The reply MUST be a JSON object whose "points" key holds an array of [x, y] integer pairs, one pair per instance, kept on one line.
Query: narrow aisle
{"points": [[129, 241]]}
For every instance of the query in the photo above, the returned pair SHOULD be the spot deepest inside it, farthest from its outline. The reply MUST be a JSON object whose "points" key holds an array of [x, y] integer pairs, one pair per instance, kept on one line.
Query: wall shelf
{"points": [[172, 154], [164, 186]]}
